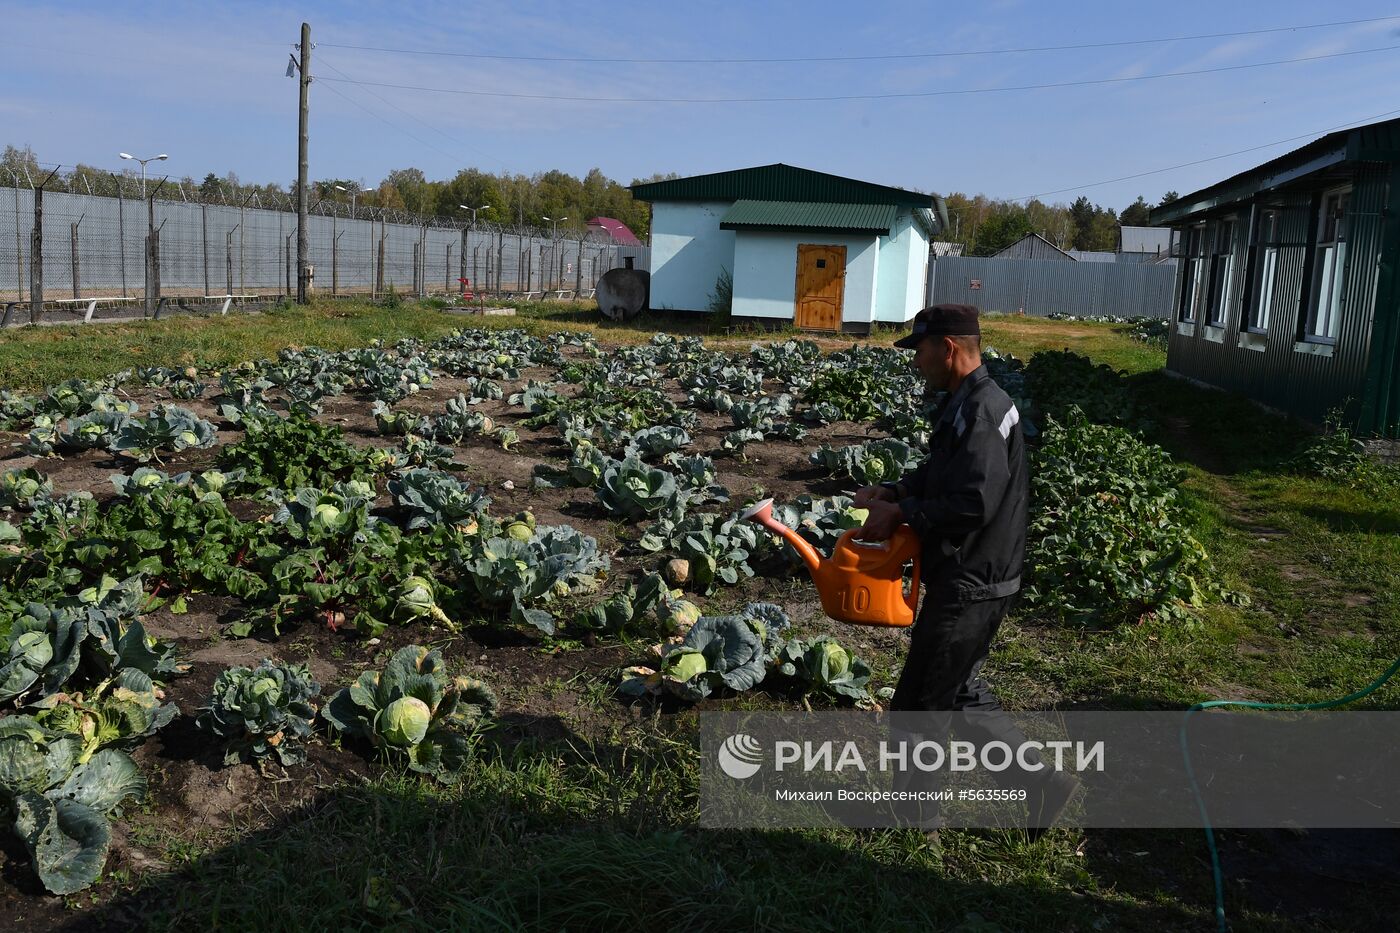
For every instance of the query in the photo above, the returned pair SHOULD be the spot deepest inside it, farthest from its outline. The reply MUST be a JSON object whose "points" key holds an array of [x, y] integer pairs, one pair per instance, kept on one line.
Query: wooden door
{"points": [[821, 286]]}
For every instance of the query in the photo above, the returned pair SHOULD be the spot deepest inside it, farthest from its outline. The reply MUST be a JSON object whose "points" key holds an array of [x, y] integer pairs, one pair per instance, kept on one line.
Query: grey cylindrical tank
{"points": [[623, 293]]}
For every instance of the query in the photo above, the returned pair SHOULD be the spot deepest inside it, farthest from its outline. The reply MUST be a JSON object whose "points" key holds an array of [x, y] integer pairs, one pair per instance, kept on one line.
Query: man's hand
{"points": [[868, 494], [883, 519]]}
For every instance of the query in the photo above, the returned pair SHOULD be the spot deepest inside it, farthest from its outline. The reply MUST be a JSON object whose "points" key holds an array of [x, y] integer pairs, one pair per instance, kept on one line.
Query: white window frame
{"points": [[1188, 309], [1222, 280], [1267, 240], [1327, 258]]}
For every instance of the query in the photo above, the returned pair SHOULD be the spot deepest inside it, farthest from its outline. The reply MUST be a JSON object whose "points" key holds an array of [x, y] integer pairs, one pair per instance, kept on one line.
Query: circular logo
{"points": [[740, 756]]}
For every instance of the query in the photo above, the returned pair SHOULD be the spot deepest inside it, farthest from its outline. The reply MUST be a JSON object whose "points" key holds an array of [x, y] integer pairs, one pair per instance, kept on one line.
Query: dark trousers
{"points": [[948, 644]]}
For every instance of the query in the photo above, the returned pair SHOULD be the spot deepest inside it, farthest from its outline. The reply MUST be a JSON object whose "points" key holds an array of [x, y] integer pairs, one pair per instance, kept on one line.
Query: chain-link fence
{"points": [[69, 247]]}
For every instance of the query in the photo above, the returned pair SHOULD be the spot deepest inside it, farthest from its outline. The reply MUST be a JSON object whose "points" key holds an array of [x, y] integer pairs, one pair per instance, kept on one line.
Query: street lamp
{"points": [[556, 225], [160, 158], [353, 192], [473, 210]]}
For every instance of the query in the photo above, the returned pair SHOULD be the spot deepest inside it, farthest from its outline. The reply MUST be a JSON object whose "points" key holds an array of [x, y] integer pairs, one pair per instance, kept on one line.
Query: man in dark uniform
{"points": [[967, 502]]}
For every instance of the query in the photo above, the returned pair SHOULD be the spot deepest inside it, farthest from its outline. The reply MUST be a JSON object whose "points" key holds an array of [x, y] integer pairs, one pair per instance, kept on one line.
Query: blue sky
{"points": [[205, 83]]}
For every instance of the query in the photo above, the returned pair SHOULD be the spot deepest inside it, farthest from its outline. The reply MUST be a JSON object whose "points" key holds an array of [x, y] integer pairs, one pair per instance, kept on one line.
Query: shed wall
{"points": [[765, 274], [688, 250], [903, 263]]}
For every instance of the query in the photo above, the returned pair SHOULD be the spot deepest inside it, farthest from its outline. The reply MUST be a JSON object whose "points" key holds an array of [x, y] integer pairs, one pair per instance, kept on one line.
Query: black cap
{"points": [[942, 321]]}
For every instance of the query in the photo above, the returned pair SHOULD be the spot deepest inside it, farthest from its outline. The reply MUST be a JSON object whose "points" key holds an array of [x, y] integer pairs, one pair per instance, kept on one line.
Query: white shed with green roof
{"points": [[801, 247]]}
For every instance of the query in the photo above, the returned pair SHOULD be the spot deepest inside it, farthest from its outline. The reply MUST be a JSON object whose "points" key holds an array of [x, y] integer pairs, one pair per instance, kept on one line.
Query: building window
{"points": [[1194, 265], [1328, 265], [1264, 253], [1222, 272]]}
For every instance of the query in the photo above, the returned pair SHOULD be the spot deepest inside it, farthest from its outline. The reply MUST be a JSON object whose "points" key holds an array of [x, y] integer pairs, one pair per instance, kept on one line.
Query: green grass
{"points": [[591, 837]]}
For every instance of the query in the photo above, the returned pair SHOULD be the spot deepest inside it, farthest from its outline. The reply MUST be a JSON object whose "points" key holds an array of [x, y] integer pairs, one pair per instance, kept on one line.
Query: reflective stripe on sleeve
{"points": [[1012, 418]]}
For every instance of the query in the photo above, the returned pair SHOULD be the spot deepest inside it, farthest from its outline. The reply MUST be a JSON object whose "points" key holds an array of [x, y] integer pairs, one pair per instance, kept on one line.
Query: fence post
{"points": [[379, 269], [488, 268], [228, 259], [36, 258], [335, 260], [447, 271], [500, 250], [149, 284], [121, 233], [416, 290], [578, 271], [519, 260], [475, 275], [204, 242], [73, 256], [462, 262], [19, 248]]}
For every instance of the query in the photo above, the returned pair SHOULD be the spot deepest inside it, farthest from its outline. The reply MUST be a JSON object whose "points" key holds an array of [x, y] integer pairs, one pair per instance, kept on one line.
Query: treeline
{"points": [[986, 225], [535, 200]]}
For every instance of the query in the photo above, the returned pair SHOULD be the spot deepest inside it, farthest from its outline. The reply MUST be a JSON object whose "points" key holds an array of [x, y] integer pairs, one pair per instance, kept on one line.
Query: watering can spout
{"points": [[762, 513]]}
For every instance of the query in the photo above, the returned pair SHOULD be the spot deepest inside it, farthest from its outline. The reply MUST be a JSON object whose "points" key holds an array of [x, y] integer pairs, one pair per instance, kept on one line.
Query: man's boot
{"points": [[1049, 803]]}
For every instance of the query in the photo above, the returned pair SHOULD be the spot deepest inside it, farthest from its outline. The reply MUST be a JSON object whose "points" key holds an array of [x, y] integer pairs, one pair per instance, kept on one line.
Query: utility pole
{"points": [[303, 246]]}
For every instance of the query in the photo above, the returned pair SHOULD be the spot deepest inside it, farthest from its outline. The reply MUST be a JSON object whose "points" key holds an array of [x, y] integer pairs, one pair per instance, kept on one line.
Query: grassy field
{"points": [[592, 834]]}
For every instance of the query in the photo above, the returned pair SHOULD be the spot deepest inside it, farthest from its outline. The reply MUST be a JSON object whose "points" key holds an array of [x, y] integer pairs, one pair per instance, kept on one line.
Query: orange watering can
{"points": [[863, 581]]}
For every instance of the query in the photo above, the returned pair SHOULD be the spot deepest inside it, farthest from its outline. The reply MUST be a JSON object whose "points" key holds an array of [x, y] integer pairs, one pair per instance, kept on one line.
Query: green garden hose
{"points": [[1251, 704]]}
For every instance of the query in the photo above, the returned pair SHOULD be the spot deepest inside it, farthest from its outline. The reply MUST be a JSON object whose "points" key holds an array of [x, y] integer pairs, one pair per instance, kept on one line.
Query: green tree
{"points": [[19, 160], [1000, 231], [1081, 213], [1168, 198], [1103, 231], [1136, 214]]}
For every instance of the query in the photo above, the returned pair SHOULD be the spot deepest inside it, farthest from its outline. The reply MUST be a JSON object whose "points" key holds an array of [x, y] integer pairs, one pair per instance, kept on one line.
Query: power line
{"points": [[859, 58], [1170, 168], [902, 95], [411, 116]]}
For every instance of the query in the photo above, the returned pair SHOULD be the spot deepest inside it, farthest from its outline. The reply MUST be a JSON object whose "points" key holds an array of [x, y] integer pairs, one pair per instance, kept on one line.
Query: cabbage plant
{"points": [[59, 805], [413, 711], [263, 712], [20, 486], [824, 667], [78, 641], [882, 461], [636, 491], [431, 498], [167, 428], [118, 712]]}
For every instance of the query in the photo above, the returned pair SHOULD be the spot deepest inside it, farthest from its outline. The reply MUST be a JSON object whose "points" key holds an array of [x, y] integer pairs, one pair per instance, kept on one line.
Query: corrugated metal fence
{"points": [[1040, 287], [94, 246]]}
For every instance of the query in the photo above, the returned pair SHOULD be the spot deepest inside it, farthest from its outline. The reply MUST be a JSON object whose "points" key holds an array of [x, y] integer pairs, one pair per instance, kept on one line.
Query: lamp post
{"points": [[353, 192], [160, 158], [556, 225], [473, 210]]}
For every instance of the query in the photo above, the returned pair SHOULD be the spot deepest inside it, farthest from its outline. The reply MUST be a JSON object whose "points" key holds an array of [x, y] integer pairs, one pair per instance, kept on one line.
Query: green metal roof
{"points": [[1375, 142], [778, 182], [810, 215]]}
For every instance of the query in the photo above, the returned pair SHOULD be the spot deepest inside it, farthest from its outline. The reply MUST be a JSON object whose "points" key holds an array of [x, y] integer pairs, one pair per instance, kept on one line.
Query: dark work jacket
{"points": [[967, 500]]}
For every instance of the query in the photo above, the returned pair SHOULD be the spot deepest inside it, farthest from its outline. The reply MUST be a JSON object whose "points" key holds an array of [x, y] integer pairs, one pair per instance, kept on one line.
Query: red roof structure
{"points": [[615, 229]]}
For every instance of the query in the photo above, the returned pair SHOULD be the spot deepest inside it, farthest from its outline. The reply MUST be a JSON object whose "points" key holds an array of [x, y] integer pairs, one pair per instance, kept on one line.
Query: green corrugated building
{"points": [[1288, 290], [804, 247]]}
